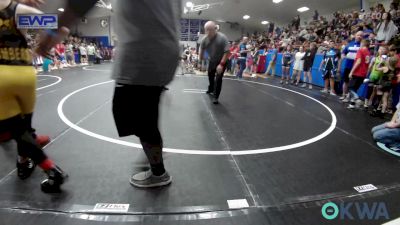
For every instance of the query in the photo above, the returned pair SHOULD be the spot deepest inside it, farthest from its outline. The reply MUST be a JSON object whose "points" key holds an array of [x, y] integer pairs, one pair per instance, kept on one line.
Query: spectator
{"points": [[385, 29], [83, 53], [272, 63], [384, 87], [234, 49], [308, 63], [349, 53], [375, 75], [389, 133], [393, 9], [316, 15], [70, 53], [359, 72], [298, 65], [396, 79], [330, 65], [287, 60], [91, 52], [296, 22], [243, 56]]}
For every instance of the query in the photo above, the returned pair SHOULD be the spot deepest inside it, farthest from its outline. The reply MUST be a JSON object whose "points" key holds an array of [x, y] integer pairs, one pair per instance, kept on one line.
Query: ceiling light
{"points": [[185, 10], [277, 1], [264, 22], [189, 4], [61, 9], [246, 17], [303, 9]]}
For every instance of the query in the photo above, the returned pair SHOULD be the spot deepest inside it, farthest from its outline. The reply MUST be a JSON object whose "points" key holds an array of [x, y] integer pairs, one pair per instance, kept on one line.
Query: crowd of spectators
{"points": [[71, 52], [365, 43]]}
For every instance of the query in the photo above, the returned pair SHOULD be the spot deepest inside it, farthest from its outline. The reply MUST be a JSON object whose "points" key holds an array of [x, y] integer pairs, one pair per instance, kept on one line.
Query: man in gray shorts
{"points": [[143, 27], [217, 46]]}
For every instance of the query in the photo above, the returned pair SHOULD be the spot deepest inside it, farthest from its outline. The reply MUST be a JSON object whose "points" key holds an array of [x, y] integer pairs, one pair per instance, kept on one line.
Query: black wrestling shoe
{"points": [[25, 169], [215, 101], [56, 177]]}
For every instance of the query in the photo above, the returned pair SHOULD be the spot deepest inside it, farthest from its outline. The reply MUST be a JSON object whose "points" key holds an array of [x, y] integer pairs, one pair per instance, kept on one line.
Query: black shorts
{"points": [[329, 74], [135, 110], [307, 67], [355, 83], [91, 58], [385, 86], [286, 63], [346, 74]]}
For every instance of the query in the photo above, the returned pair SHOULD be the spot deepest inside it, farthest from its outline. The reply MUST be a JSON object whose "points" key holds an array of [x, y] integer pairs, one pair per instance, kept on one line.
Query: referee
{"points": [[217, 46]]}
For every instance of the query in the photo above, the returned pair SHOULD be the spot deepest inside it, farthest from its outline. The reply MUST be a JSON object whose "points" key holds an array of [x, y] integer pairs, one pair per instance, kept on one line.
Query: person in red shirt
{"points": [[60, 55], [234, 49], [359, 72], [60, 48]]}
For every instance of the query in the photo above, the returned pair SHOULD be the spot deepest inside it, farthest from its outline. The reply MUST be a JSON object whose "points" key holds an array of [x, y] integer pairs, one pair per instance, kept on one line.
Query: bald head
{"points": [[359, 36], [211, 29], [210, 25]]}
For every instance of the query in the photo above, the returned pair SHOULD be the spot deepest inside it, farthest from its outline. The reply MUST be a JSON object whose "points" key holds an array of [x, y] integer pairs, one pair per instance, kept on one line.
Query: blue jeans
{"points": [[387, 136], [233, 64], [242, 64]]}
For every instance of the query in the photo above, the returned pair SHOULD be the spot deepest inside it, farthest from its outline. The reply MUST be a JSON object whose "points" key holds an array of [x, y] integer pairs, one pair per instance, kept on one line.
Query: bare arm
{"points": [[356, 65], [273, 57], [224, 58], [322, 63], [394, 117], [200, 55], [340, 62], [371, 64], [226, 54]]}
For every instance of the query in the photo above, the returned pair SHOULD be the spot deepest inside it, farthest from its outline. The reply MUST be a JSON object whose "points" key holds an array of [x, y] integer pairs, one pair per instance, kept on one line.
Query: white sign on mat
{"points": [[365, 188], [393, 222], [238, 204], [107, 207]]}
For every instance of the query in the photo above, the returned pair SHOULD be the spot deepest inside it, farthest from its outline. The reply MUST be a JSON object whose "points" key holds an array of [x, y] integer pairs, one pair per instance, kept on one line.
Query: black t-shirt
{"points": [[309, 56], [14, 49]]}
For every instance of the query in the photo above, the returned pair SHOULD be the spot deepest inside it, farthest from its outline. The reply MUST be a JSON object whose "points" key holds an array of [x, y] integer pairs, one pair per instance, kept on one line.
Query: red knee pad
{"points": [[5, 136]]}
